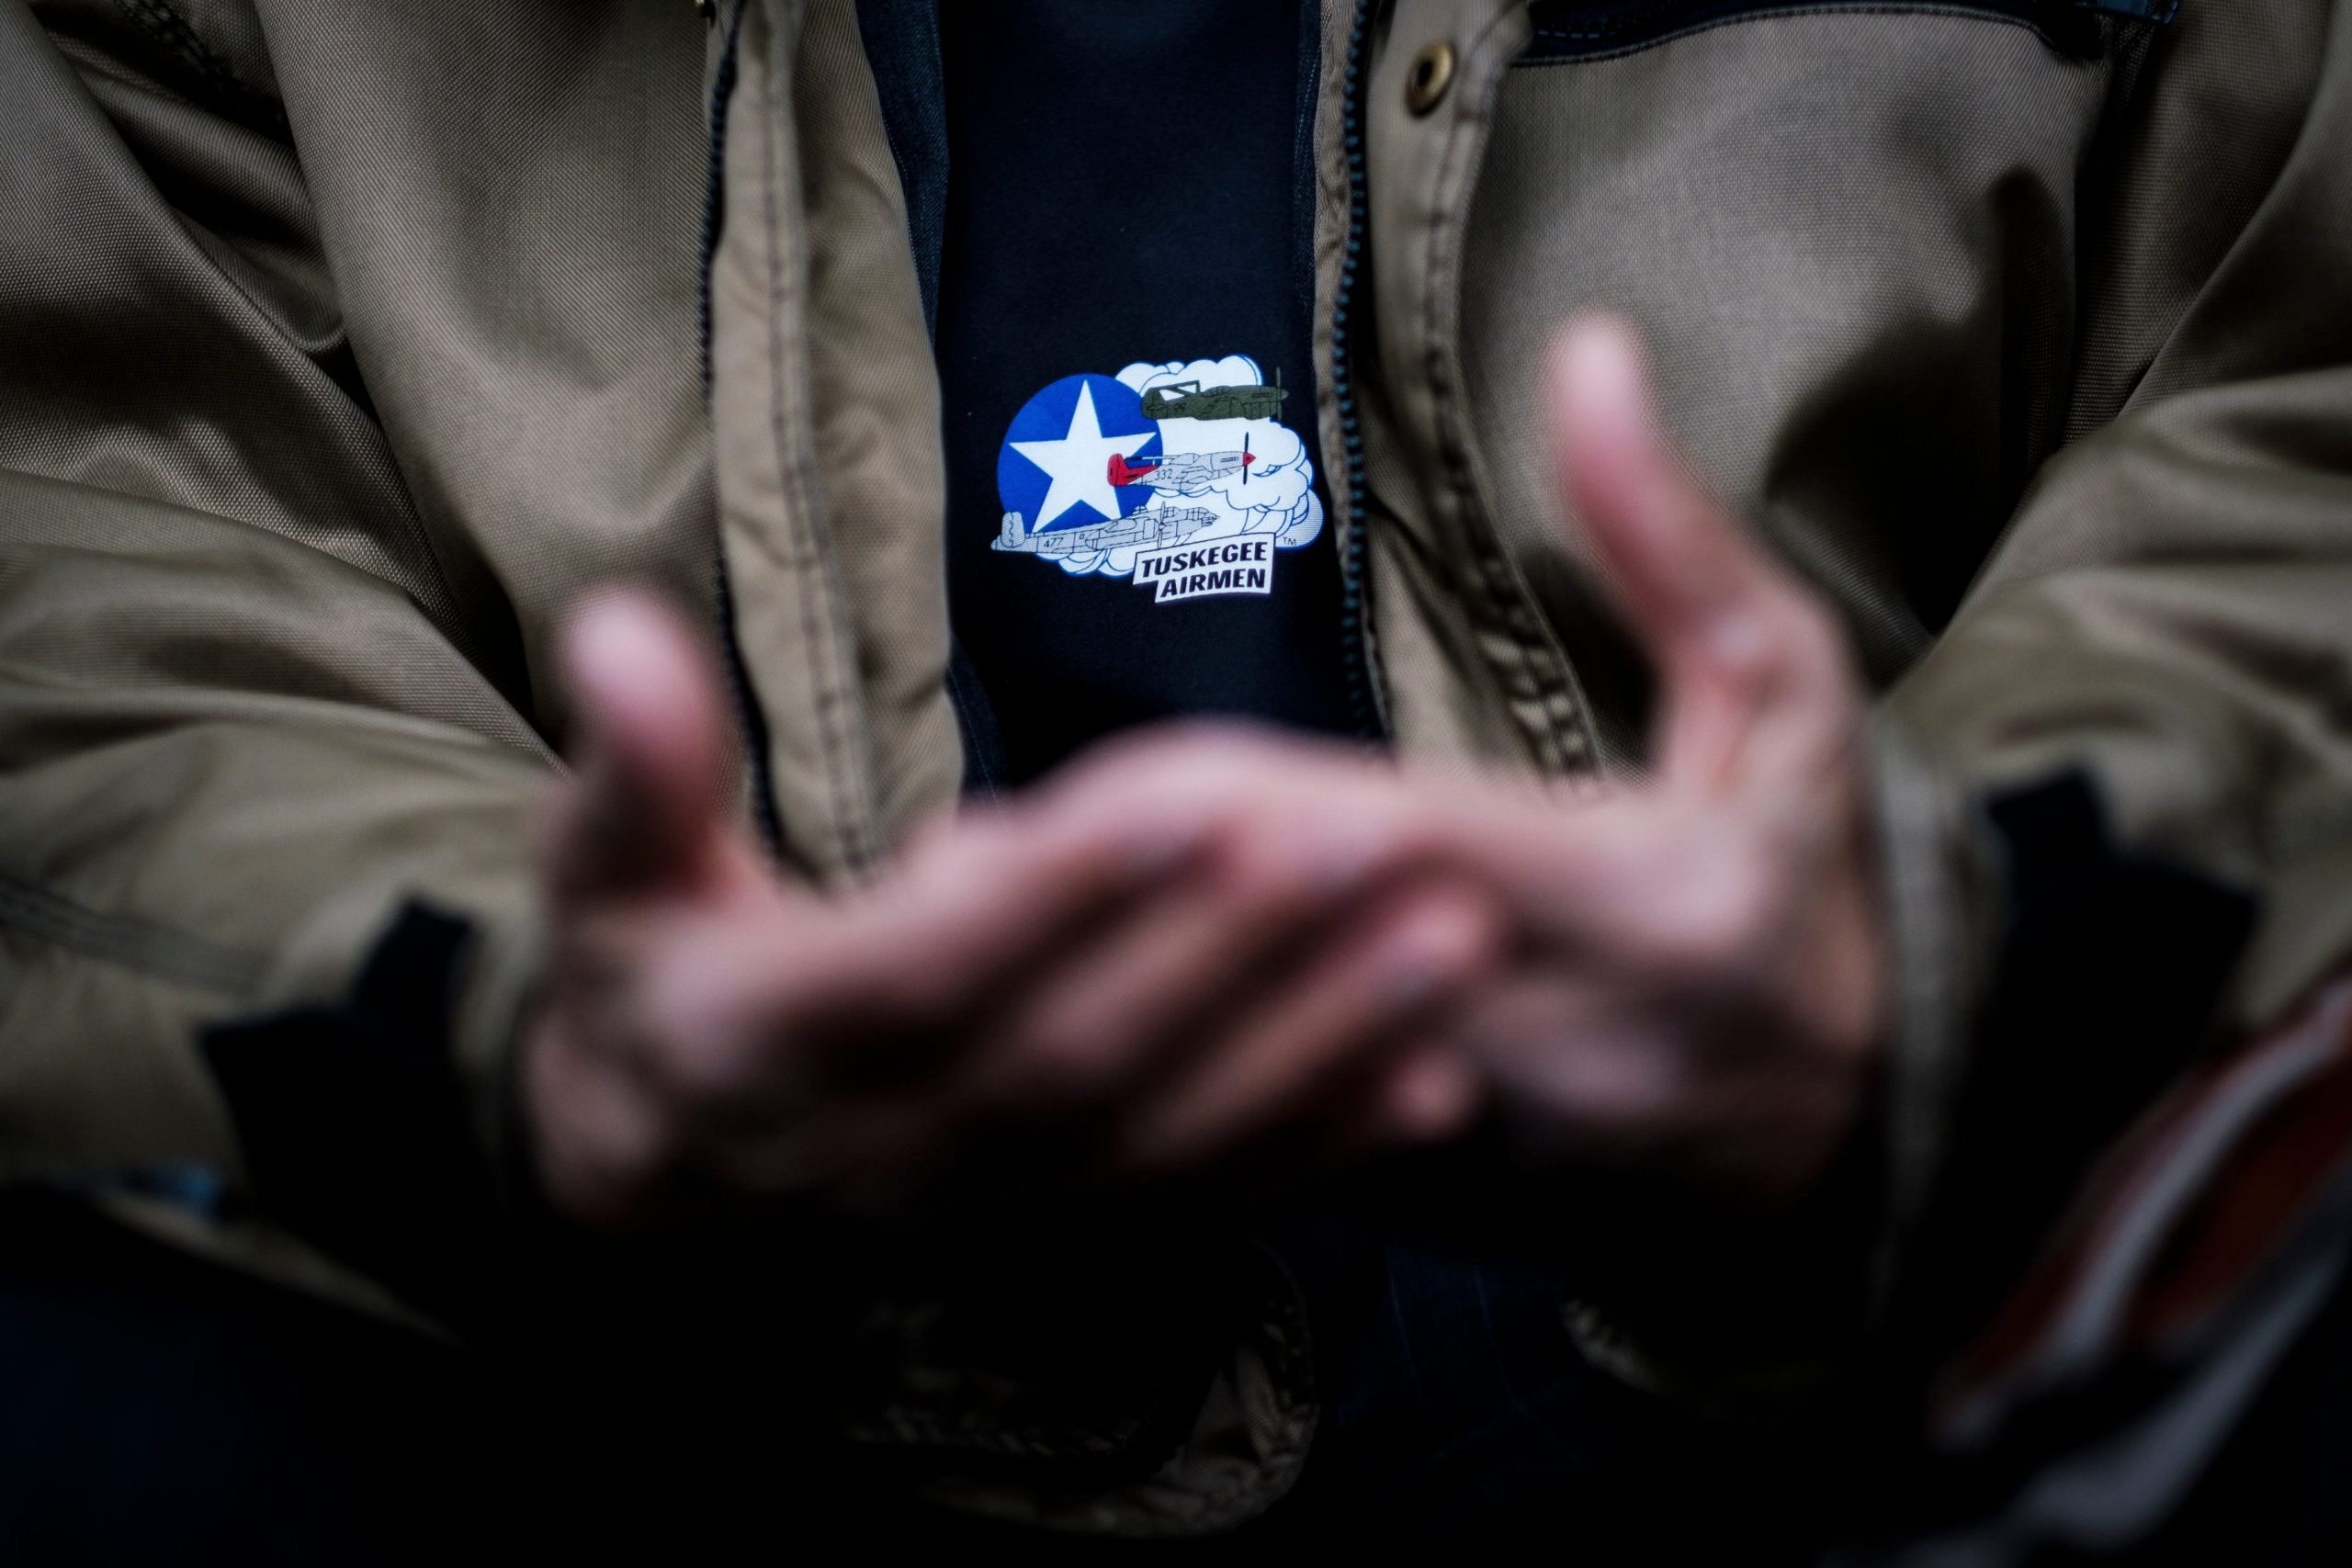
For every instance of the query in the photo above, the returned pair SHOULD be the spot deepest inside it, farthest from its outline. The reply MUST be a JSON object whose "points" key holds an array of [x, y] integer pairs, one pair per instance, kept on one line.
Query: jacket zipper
{"points": [[751, 722], [1363, 704], [1364, 709]]}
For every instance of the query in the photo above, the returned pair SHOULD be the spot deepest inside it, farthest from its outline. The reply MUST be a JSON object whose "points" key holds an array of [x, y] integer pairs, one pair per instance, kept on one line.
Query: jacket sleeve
{"points": [[2116, 797], [264, 750]]}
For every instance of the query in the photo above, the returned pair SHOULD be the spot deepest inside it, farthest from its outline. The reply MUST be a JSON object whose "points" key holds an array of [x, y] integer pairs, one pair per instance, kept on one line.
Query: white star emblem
{"points": [[1080, 463]]}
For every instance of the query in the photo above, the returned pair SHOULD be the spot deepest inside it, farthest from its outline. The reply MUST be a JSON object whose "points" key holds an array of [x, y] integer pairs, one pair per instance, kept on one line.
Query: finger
{"points": [[1733, 637], [1612, 877], [880, 986], [647, 801], [1567, 867], [869, 1158], [1188, 777], [1355, 1002], [599, 1145], [1104, 1012], [1636, 878], [1003, 894], [1430, 1095], [1580, 1062], [1574, 873], [1428, 1092], [1563, 869]]}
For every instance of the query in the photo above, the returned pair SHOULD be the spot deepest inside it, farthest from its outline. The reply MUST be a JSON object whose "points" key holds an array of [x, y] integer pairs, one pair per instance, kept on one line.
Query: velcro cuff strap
{"points": [[353, 1124]]}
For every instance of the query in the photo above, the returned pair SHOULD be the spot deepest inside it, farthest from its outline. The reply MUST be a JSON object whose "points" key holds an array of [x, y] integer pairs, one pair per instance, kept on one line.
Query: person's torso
{"points": [[1890, 258]]}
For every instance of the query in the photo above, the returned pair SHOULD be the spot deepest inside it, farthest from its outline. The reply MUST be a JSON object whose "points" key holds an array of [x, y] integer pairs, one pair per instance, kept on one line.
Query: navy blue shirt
{"points": [[1138, 530], [1137, 525]]}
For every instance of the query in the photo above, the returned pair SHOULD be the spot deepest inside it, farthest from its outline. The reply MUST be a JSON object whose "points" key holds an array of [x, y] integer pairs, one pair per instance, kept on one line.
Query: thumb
{"points": [[1733, 639], [648, 799]]}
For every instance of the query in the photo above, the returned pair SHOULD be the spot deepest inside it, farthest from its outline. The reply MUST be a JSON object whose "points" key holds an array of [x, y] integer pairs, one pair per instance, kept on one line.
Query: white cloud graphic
{"points": [[1273, 495]]}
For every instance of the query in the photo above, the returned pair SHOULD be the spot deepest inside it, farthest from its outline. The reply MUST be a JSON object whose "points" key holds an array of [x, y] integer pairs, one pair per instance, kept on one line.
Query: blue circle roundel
{"points": [[1055, 465]]}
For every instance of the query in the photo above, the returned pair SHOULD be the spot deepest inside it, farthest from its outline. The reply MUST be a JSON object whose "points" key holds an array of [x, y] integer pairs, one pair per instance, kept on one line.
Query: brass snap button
{"points": [[1431, 74]]}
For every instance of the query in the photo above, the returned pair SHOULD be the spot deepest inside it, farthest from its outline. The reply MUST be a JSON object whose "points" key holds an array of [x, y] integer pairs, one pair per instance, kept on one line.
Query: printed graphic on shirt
{"points": [[1181, 478]]}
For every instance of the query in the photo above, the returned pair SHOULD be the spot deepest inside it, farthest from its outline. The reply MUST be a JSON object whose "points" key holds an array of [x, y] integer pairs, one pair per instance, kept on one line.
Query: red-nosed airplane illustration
{"points": [[1178, 470]]}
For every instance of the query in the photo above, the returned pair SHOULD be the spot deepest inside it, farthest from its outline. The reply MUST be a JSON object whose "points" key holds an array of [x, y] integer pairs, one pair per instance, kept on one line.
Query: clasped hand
{"points": [[1210, 948]]}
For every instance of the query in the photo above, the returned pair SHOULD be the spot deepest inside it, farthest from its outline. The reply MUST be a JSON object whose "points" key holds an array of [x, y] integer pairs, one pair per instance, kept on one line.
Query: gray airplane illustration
{"points": [[1154, 525]]}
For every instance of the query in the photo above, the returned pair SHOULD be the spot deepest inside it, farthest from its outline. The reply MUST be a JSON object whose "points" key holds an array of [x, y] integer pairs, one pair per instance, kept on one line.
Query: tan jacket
{"points": [[342, 344]]}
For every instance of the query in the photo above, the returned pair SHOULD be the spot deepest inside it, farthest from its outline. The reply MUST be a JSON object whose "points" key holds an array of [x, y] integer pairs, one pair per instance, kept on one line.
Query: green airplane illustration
{"points": [[1186, 400]]}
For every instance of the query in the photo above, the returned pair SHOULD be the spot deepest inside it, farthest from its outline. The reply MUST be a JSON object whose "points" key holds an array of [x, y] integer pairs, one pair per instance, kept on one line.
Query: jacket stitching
{"points": [[761, 765], [1514, 668], [128, 940], [772, 236], [861, 807], [841, 700], [813, 576], [1562, 744], [1551, 679]]}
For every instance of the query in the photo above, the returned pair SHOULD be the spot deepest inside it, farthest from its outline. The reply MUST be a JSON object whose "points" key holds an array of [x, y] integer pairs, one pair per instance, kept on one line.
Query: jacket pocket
{"points": [[1849, 236], [1583, 30]]}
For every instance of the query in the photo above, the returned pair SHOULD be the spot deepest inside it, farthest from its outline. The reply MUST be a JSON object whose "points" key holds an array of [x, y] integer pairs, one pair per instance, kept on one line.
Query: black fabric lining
{"points": [[1589, 30], [2106, 987], [353, 1125], [816, 584], [901, 39], [129, 940], [985, 772], [1305, 173], [177, 35]]}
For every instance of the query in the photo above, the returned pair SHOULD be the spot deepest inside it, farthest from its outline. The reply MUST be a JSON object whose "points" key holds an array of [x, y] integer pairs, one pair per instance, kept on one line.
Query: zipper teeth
{"points": [[1356, 657], [750, 721]]}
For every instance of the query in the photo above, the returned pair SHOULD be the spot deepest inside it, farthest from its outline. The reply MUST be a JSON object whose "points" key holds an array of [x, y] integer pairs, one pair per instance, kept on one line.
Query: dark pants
{"points": [[155, 1409], [158, 1410], [1457, 1409]]}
